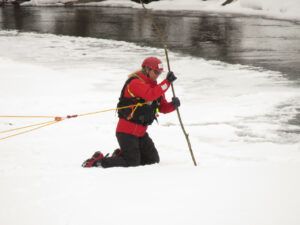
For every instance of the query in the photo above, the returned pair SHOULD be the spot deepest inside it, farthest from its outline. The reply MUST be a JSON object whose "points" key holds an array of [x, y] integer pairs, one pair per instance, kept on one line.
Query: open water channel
{"points": [[265, 43]]}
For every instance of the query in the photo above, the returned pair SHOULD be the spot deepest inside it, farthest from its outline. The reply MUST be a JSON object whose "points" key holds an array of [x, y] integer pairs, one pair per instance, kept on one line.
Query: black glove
{"points": [[171, 77], [176, 102]]}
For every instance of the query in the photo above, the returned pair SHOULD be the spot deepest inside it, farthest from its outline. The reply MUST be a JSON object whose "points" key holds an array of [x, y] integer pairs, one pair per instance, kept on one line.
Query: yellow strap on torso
{"points": [[137, 76]]}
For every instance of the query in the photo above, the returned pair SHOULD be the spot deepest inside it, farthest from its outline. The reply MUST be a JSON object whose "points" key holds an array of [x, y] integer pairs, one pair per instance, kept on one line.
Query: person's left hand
{"points": [[171, 76], [175, 102]]}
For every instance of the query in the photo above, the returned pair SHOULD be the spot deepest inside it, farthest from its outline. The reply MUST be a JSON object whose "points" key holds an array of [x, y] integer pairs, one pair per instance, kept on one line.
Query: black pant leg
{"points": [[130, 155], [149, 154], [113, 162], [129, 145]]}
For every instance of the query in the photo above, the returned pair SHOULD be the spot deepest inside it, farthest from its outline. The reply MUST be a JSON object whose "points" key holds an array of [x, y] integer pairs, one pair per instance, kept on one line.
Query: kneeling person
{"points": [[140, 101]]}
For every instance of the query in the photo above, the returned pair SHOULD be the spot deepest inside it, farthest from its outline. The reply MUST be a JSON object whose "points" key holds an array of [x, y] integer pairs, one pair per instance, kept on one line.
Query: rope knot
{"points": [[58, 118]]}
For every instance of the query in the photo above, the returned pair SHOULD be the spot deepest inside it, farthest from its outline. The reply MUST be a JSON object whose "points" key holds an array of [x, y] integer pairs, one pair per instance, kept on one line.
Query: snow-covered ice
{"points": [[238, 118]]}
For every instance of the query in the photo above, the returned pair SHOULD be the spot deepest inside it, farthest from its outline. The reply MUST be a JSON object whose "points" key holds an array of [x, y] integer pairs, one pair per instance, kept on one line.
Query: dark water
{"points": [[271, 44]]}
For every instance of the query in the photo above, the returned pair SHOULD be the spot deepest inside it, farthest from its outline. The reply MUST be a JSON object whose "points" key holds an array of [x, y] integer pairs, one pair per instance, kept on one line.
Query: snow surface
{"points": [[277, 9], [237, 117]]}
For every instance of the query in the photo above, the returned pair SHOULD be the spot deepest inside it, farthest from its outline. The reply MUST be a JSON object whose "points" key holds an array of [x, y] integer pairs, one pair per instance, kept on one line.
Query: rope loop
{"points": [[134, 107]]}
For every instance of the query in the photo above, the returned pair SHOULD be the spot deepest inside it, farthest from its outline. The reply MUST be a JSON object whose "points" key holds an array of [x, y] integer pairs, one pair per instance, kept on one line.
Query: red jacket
{"points": [[147, 89]]}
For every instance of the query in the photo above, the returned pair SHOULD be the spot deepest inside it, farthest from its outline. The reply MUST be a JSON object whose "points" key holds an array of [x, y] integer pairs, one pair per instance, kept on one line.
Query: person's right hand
{"points": [[175, 102]]}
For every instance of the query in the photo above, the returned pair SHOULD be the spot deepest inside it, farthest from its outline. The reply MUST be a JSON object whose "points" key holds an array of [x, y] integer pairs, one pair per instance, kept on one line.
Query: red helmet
{"points": [[153, 63]]}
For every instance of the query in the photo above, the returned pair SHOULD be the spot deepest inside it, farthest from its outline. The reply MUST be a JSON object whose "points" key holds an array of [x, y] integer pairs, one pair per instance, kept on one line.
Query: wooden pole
{"points": [[173, 90]]}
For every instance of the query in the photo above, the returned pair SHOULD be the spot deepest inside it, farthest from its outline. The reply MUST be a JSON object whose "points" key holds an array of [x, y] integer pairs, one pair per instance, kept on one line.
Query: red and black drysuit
{"points": [[137, 148]]}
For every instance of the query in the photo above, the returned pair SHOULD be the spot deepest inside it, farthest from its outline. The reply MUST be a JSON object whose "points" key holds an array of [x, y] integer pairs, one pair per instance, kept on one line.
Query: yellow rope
{"points": [[27, 116], [114, 109], [25, 127], [56, 120], [23, 132], [134, 108]]}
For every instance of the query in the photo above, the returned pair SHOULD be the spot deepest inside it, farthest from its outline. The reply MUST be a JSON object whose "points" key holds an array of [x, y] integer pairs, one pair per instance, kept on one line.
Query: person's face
{"points": [[153, 74]]}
